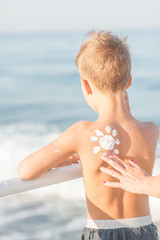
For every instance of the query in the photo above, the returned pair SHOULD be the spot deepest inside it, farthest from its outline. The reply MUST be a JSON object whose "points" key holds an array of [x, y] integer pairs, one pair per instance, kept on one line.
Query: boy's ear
{"points": [[87, 87], [129, 82]]}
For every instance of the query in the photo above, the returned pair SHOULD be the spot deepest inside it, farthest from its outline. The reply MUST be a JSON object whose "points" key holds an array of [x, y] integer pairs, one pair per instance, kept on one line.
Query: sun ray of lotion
{"points": [[108, 129], [99, 133], [94, 139], [96, 149]]}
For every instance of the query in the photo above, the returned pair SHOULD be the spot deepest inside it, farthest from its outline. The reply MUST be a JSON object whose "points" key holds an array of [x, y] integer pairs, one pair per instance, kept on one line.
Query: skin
{"points": [[131, 177], [137, 139]]}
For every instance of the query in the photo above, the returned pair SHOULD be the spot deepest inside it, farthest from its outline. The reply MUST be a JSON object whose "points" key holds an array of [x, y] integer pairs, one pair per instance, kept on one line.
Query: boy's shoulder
{"points": [[150, 131], [150, 127], [82, 124], [145, 127], [75, 130]]}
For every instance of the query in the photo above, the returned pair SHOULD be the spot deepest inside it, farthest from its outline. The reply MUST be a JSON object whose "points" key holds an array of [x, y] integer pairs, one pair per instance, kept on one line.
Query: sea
{"points": [[40, 96]]}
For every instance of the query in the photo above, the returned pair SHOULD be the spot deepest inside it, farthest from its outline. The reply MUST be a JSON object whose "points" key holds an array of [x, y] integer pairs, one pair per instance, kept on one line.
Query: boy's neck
{"points": [[111, 107]]}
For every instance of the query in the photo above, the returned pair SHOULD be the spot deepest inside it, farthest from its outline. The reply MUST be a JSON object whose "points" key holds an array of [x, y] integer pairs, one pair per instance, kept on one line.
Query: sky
{"points": [[75, 15]]}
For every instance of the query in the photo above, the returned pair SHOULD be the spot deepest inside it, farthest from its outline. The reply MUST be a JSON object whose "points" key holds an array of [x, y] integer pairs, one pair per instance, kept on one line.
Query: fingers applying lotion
{"points": [[112, 184], [111, 172], [116, 164], [133, 163], [103, 169], [106, 156]]}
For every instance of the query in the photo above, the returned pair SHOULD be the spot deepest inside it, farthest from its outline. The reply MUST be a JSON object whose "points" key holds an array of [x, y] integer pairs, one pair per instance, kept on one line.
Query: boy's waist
{"points": [[120, 223]]}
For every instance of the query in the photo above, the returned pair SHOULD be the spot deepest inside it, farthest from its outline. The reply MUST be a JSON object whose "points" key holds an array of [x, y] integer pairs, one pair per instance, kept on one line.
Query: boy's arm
{"points": [[52, 155]]}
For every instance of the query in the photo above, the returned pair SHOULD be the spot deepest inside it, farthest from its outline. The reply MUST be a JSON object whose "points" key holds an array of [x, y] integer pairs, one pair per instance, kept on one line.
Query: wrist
{"points": [[150, 186], [146, 185]]}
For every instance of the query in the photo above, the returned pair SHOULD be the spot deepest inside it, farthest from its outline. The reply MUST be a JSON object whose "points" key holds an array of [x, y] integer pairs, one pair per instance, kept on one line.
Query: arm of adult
{"points": [[131, 177]]}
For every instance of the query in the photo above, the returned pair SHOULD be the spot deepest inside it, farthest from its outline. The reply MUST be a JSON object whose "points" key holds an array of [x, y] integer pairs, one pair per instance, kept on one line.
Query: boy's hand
{"points": [[74, 159]]}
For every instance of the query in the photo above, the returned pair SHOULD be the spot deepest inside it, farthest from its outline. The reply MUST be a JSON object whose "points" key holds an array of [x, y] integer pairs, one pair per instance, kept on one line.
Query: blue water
{"points": [[40, 96], [40, 83]]}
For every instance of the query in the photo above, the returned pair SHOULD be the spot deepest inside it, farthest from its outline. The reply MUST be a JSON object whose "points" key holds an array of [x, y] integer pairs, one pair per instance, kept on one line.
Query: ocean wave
{"points": [[19, 140], [40, 218]]}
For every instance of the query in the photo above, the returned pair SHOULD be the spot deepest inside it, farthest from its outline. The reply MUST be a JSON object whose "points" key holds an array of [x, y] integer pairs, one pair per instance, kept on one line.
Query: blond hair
{"points": [[105, 60]]}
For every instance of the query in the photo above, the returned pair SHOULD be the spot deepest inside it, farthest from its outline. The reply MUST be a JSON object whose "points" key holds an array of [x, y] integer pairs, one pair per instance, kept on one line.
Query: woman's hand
{"points": [[131, 177]]}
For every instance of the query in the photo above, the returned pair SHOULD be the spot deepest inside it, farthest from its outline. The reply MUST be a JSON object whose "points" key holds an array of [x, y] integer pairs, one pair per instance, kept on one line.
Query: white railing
{"points": [[15, 185]]}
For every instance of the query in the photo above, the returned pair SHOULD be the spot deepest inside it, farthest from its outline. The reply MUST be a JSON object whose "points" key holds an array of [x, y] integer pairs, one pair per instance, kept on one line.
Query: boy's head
{"points": [[104, 59]]}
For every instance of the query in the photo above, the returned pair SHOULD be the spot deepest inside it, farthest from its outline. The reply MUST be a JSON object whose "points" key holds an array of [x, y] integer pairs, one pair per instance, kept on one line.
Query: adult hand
{"points": [[131, 177]]}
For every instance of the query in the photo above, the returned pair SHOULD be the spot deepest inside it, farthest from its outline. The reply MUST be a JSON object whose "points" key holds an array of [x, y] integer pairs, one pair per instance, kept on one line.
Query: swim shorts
{"points": [[140, 228]]}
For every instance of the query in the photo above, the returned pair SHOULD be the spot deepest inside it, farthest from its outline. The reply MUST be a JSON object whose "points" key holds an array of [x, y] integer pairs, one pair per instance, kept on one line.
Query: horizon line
{"points": [[21, 32]]}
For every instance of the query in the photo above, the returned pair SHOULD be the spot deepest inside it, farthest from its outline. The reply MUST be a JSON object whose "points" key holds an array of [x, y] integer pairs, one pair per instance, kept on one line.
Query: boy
{"points": [[104, 64]]}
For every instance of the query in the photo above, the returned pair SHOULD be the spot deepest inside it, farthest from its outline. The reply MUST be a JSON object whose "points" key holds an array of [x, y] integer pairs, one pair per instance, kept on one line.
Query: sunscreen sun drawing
{"points": [[106, 141]]}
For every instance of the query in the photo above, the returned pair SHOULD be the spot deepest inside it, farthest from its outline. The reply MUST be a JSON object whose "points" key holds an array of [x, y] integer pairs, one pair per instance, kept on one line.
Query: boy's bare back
{"points": [[134, 140]]}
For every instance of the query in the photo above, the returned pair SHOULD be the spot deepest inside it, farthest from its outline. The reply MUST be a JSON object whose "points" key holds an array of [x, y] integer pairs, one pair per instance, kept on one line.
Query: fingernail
{"points": [[111, 155], [131, 159]]}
